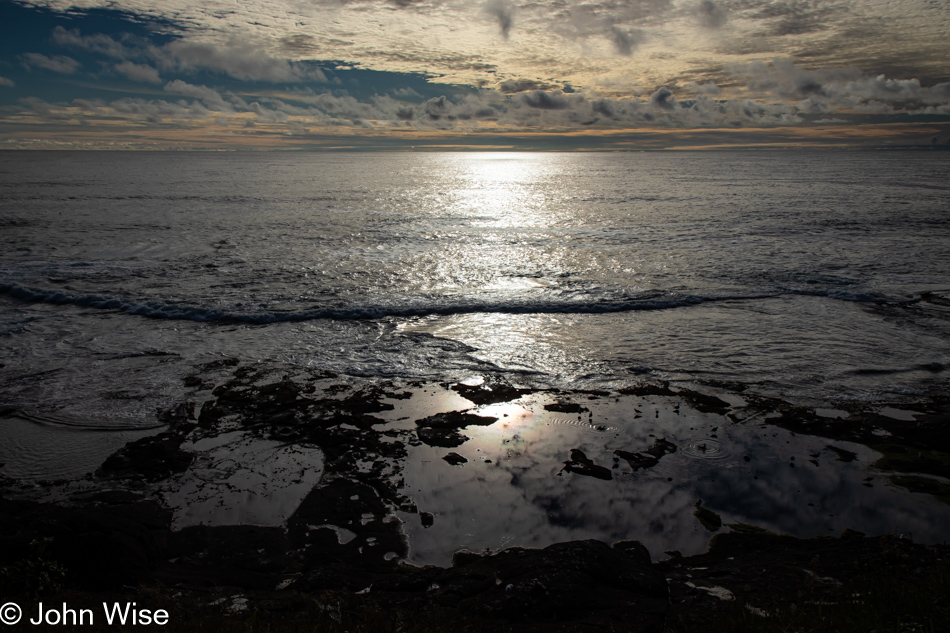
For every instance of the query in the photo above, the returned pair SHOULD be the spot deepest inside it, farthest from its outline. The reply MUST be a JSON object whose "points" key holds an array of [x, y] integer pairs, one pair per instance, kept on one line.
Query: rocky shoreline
{"points": [[224, 547], [241, 577]]}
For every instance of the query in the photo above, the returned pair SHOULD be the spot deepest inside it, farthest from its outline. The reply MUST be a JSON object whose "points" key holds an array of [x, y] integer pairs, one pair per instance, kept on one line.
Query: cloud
{"points": [[437, 108], [625, 41], [241, 61], [89, 105], [512, 86], [198, 107], [57, 64], [703, 89], [784, 78], [210, 97], [618, 22], [503, 12], [710, 14], [545, 100], [844, 88], [796, 18], [663, 99], [406, 92], [235, 58], [98, 43], [138, 72], [6, 82]]}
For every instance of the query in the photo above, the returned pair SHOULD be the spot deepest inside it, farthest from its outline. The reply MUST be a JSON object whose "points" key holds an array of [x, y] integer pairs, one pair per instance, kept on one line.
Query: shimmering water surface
{"points": [[815, 277]]}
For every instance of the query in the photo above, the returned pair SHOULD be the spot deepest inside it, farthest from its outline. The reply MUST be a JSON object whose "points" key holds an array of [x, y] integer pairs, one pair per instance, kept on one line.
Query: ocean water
{"points": [[821, 278], [804, 275]]}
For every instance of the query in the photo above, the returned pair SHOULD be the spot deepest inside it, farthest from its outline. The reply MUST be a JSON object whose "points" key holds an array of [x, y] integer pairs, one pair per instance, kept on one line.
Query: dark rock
{"points": [[150, 458], [661, 447], [709, 519], [843, 455], [232, 555], [661, 389], [786, 574], [455, 420], [565, 407], [584, 582], [100, 546], [491, 391], [464, 557], [637, 460], [441, 430], [649, 457], [702, 402], [345, 504], [441, 438], [581, 465], [634, 548], [455, 459]]}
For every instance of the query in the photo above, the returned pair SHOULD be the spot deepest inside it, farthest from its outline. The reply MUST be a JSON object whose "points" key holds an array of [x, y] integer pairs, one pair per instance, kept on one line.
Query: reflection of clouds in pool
{"points": [[510, 494], [239, 479]]}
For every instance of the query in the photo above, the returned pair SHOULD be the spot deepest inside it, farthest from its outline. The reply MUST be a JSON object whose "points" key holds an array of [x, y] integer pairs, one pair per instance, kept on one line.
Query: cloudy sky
{"points": [[525, 74]]}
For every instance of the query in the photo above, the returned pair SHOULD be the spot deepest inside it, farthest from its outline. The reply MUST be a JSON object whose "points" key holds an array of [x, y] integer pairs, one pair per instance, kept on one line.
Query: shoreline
{"points": [[342, 460]]}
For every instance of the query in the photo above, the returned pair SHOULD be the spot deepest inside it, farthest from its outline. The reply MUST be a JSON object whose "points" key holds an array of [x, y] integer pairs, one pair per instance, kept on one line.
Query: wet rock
{"points": [[455, 459], [709, 519], [704, 403], [581, 465], [661, 389], [916, 483], [178, 416], [280, 404], [843, 455], [637, 460], [648, 458], [491, 391], [150, 458], [565, 407], [455, 420], [441, 438], [441, 430], [364, 527]]}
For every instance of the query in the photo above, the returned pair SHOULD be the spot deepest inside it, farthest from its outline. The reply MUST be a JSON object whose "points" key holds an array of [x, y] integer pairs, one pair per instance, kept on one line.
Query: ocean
{"points": [[819, 278]]}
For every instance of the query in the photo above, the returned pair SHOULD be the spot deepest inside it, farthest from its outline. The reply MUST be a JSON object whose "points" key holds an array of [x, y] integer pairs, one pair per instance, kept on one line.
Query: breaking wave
{"points": [[183, 311]]}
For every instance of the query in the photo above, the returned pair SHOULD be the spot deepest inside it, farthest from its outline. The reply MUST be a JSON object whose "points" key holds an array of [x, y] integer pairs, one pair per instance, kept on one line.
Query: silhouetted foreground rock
{"points": [[121, 545], [581, 581], [101, 546]]}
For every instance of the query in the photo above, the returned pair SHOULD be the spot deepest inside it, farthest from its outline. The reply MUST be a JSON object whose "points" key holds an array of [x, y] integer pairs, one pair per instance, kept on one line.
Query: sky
{"points": [[474, 74]]}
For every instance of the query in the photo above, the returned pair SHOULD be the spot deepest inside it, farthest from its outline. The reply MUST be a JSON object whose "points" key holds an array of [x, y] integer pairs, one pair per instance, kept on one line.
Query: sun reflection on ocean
{"points": [[503, 190]]}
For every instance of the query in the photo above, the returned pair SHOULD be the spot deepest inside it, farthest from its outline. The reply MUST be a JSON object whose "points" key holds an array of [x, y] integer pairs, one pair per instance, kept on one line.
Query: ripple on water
{"points": [[580, 423], [705, 448]]}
